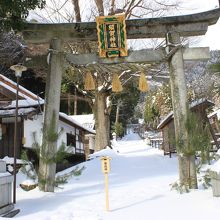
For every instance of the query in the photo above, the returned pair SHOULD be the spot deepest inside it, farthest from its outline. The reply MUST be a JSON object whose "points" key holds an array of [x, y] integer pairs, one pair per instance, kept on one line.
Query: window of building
{"points": [[71, 140]]}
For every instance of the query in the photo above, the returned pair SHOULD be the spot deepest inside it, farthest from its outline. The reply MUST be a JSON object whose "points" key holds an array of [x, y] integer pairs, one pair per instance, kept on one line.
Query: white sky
{"points": [[211, 38]]}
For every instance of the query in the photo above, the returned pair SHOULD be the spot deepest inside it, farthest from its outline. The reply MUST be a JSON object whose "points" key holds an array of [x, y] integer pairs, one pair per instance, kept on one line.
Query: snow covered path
{"points": [[139, 188]]}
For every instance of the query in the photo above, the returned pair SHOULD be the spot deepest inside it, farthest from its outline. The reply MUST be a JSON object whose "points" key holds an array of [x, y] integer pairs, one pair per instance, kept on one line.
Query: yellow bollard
{"points": [[106, 192], [106, 169]]}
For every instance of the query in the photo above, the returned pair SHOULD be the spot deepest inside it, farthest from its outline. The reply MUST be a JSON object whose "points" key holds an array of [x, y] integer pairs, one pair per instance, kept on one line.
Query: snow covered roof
{"points": [[21, 111], [23, 104], [165, 120], [193, 104], [71, 120], [26, 97], [27, 100], [217, 112], [10, 160], [87, 121], [201, 101]]}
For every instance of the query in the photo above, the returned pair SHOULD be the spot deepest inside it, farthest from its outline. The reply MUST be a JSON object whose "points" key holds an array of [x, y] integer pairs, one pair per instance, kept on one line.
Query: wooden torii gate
{"points": [[170, 28]]}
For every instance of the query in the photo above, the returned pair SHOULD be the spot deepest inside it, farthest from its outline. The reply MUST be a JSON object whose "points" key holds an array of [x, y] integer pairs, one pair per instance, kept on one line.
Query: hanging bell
{"points": [[143, 84], [89, 83], [116, 84]]}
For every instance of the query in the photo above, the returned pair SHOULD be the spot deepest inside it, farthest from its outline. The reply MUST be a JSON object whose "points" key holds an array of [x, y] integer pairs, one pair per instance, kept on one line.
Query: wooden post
{"points": [[47, 170], [86, 145], [106, 169], [75, 102], [106, 191], [68, 104]]}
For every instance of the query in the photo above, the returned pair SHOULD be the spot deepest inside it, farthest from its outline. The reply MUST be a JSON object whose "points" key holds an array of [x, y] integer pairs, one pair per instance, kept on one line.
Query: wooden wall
{"points": [[7, 141], [169, 139]]}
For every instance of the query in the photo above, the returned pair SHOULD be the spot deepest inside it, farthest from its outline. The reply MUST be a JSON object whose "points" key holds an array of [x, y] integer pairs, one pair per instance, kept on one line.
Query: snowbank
{"points": [[216, 167], [139, 188], [105, 152]]}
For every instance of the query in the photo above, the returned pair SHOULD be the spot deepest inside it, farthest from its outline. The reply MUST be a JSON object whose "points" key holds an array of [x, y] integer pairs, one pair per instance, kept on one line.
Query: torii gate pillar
{"points": [[47, 171], [180, 106]]}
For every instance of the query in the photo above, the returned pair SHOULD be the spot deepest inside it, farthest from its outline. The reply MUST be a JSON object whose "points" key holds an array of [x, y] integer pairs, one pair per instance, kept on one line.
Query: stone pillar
{"points": [[6, 180], [47, 170], [89, 145], [178, 89], [179, 103], [86, 142]]}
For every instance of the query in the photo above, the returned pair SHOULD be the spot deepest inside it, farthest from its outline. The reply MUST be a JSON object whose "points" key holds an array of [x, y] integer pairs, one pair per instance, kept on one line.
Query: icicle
{"points": [[116, 84], [143, 84], [89, 83]]}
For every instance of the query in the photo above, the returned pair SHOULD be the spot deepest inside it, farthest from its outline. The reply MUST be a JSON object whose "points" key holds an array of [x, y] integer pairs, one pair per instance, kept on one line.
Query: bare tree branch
{"points": [[76, 10], [112, 6], [131, 7]]}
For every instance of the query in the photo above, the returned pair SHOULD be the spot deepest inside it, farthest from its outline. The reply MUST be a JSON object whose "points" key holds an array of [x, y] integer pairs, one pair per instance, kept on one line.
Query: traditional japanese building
{"points": [[30, 123], [167, 124]]}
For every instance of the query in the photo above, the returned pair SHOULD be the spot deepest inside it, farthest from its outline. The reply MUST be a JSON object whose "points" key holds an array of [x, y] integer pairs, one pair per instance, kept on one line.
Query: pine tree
{"points": [[13, 13]]}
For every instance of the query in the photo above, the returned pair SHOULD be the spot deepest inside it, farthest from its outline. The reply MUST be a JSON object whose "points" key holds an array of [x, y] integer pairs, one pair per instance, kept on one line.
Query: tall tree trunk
{"points": [[117, 117], [117, 113], [102, 122], [180, 111], [76, 10], [99, 5], [47, 167], [68, 104], [192, 172], [112, 7]]}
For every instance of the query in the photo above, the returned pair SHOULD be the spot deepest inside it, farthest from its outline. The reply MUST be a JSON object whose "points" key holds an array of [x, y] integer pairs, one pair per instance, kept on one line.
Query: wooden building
{"points": [[87, 121], [214, 120], [30, 123], [168, 130]]}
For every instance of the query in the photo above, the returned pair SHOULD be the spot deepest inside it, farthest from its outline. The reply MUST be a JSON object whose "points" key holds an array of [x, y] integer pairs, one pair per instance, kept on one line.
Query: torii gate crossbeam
{"points": [[186, 25]]}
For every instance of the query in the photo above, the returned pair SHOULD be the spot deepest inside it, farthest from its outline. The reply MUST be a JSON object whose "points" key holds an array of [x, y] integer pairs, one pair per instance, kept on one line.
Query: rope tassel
{"points": [[116, 84], [143, 84], [89, 83]]}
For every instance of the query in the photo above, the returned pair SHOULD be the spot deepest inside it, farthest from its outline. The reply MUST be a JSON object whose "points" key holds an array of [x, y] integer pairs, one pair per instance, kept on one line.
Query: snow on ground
{"points": [[139, 188]]}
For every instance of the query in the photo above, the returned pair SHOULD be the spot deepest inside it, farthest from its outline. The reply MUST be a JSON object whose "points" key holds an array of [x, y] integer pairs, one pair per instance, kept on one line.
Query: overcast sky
{"points": [[212, 37]]}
